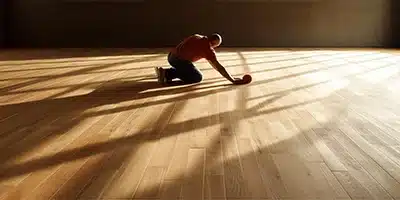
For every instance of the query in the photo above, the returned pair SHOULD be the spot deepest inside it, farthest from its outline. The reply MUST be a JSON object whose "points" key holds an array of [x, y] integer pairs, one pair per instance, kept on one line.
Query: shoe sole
{"points": [[160, 75]]}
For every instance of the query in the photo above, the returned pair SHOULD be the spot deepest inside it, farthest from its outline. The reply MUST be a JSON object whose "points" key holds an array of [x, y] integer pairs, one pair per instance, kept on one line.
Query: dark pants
{"points": [[183, 70]]}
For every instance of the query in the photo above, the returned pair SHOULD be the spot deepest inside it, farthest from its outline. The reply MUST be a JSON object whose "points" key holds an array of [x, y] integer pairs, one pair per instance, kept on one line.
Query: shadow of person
{"points": [[39, 122], [142, 85], [250, 174], [123, 87]]}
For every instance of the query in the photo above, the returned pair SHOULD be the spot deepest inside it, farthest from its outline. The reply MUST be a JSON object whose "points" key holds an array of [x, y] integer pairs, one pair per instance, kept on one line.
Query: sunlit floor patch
{"points": [[313, 124]]}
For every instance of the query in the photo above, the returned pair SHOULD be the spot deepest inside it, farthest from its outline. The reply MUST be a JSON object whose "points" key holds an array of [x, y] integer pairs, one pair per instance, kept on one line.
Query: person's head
{"points": [[215, 40]]}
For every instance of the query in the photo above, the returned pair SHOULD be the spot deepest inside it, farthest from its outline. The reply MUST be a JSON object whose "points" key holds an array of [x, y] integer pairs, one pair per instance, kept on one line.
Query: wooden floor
{"points": [[94, 124]]}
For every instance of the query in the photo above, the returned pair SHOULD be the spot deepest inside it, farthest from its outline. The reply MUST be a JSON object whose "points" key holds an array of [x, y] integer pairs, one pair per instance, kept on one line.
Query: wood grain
{"points": [[314, 124]]}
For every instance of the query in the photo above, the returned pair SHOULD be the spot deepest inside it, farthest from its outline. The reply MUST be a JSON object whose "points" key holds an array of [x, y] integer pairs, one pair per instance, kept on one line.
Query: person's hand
{"points": [[238, 81]]}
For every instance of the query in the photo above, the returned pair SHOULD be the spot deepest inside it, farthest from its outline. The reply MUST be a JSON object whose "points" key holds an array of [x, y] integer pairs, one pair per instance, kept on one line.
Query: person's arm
{"points": [[221, 69]]}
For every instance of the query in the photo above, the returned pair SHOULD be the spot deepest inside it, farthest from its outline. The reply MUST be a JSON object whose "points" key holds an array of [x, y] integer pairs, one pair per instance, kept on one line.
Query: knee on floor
{"points": [[197, 79]]}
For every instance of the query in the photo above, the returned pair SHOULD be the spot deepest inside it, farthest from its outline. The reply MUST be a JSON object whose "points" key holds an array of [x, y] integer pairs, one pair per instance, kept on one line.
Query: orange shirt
{"points": [[194, 48]]}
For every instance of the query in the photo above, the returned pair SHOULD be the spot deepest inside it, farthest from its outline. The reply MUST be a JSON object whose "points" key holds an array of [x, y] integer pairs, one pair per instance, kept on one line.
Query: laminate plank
{"points": [[193, 186], [121, 185], [121, 153], [314, 124], [233, 173]]}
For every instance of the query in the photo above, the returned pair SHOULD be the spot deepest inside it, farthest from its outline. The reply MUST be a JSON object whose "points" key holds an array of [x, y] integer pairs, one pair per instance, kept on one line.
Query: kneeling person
{"points": [[190, 50]]}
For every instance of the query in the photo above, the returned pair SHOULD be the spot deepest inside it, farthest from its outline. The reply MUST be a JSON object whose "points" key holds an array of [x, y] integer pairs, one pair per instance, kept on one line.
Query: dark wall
{"points": [[157, 23], [2, 23], [395, 23]]}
